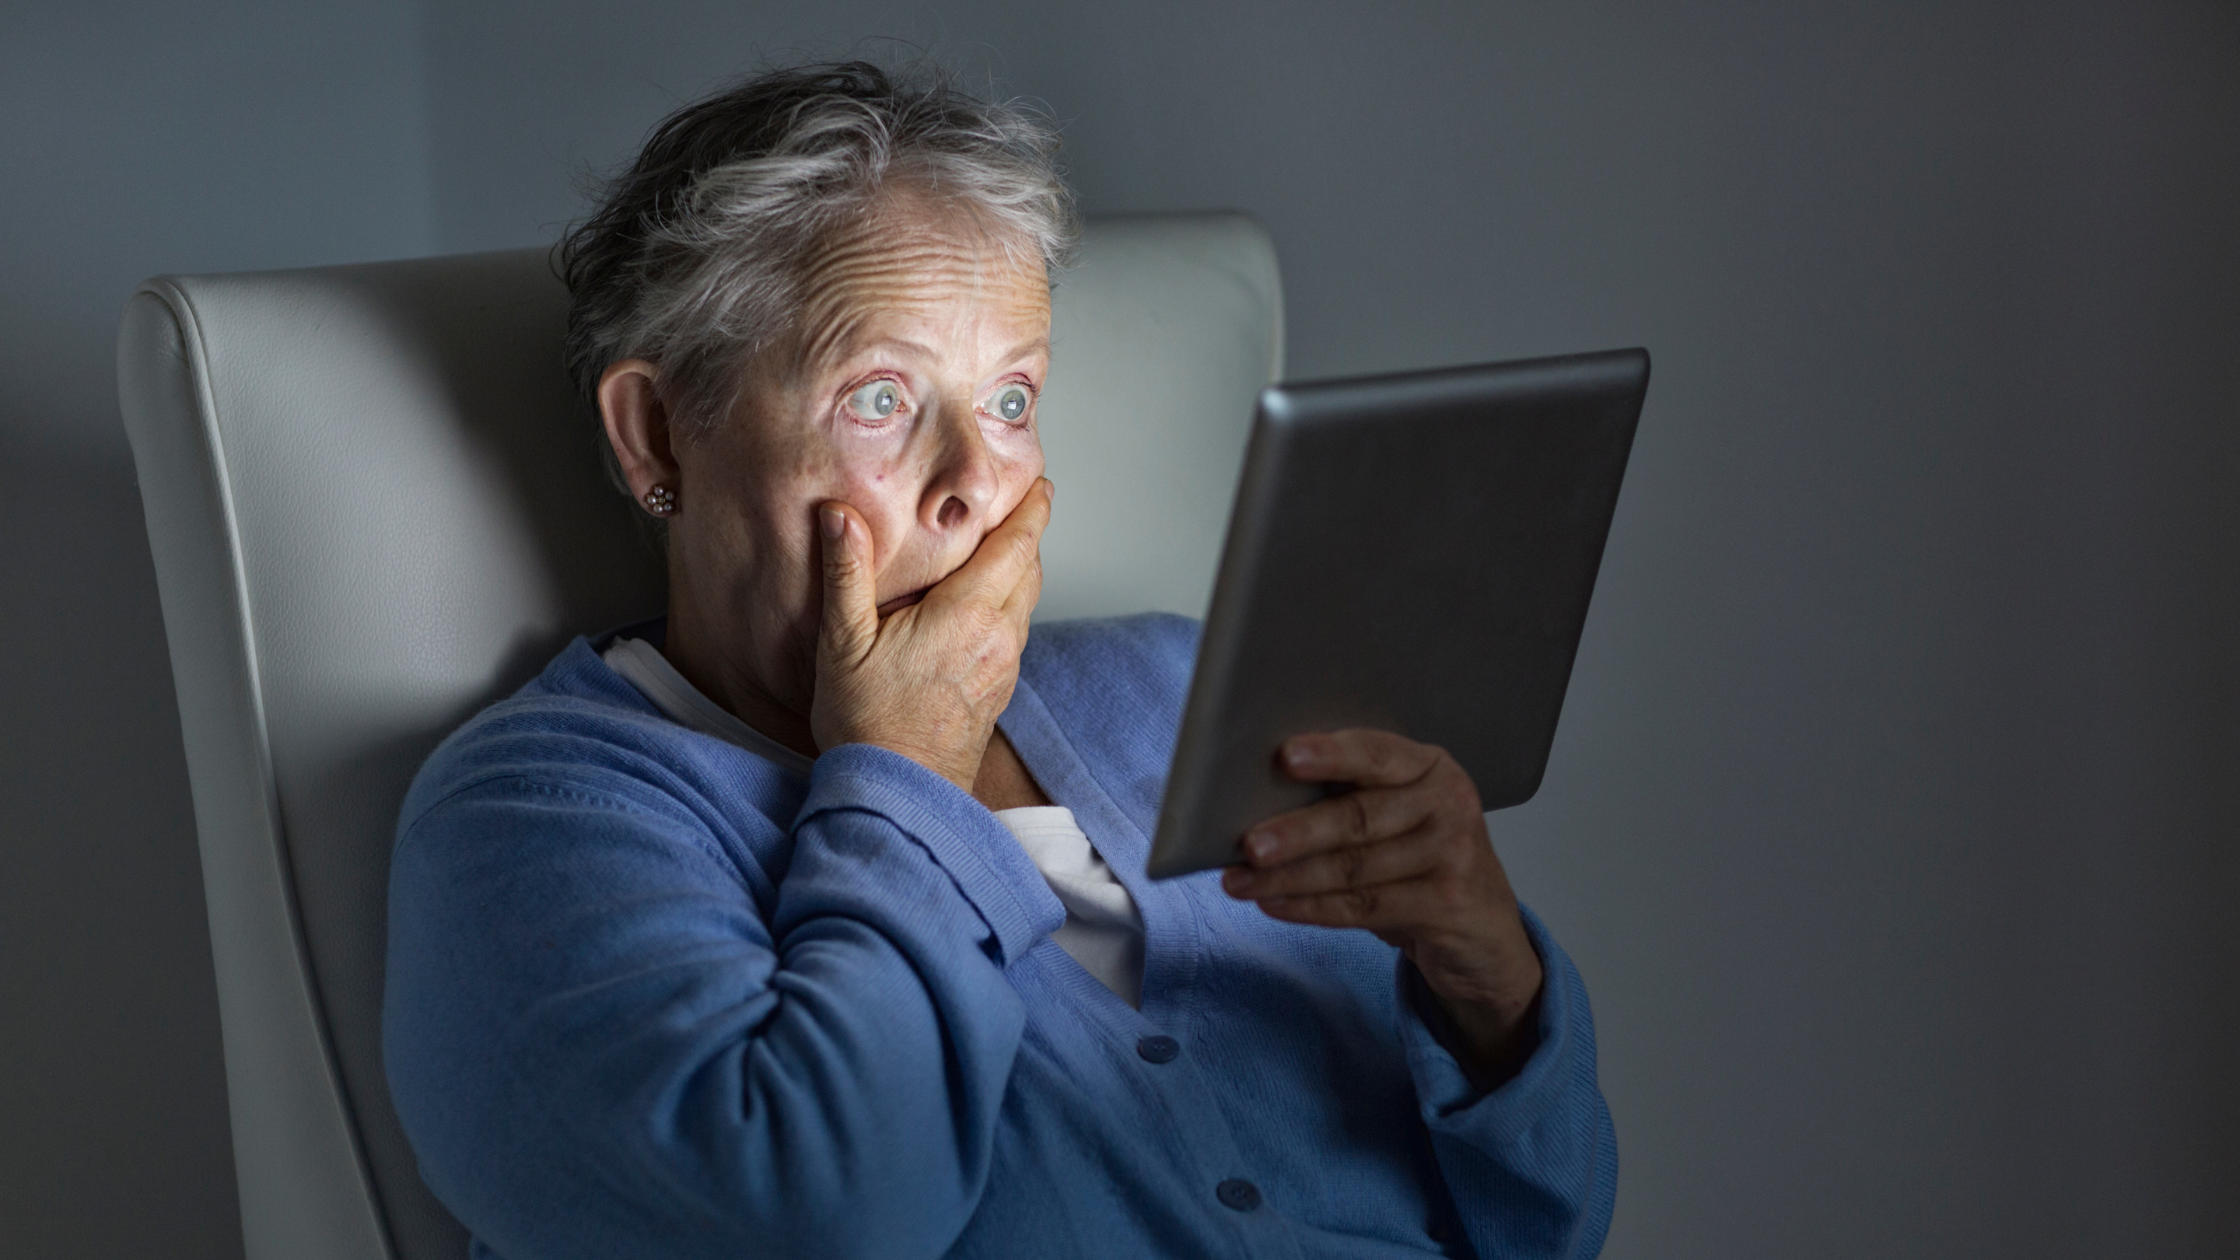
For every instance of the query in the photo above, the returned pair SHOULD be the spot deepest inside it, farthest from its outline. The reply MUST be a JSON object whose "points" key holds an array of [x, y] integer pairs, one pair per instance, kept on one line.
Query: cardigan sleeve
{"points": [[600, 1045], [1531, 1166]]}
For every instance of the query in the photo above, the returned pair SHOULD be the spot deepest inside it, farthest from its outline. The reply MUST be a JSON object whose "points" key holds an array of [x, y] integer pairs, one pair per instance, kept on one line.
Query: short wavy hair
{"points": [[698, 256]]}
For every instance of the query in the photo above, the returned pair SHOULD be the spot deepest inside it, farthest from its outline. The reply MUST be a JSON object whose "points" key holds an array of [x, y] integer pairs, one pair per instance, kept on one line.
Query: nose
{"points": [[961, 489]]}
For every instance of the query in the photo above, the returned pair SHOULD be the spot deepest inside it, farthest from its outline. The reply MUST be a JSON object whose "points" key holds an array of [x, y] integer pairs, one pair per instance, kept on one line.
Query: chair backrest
{"points": [[375, 507]]}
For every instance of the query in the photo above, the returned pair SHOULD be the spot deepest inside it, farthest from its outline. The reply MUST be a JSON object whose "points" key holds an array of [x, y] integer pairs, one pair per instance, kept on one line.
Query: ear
{"points": [[637, 424]]}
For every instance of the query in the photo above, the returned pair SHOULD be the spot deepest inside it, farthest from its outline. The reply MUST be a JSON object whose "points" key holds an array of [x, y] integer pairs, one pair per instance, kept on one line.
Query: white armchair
{"points": [[375, 507]]}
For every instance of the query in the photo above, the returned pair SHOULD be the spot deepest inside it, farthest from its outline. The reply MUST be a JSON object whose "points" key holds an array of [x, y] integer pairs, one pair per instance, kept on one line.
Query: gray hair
{"points": [[698, 255]]}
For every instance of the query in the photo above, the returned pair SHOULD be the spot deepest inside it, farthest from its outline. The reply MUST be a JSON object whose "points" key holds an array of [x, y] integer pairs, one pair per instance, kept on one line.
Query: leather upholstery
{"points": [[375, 507]]}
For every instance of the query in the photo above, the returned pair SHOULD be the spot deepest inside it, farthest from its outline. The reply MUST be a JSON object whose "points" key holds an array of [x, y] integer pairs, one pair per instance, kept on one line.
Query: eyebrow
{"points": [[1027, 347], [1019, 351]]}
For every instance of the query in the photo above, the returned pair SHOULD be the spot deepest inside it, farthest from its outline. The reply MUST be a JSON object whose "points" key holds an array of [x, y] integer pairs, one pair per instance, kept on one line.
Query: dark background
{"points": [[1892, 819]]}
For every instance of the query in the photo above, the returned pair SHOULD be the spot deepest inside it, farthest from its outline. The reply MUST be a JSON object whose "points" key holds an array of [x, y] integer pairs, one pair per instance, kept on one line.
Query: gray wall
{"points": [[138, 138], [1891, 817]]}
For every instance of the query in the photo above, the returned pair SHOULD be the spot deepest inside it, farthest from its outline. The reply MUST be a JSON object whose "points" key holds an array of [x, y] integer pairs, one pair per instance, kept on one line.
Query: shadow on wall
{"points": [[110, 1039], [141, 137]]}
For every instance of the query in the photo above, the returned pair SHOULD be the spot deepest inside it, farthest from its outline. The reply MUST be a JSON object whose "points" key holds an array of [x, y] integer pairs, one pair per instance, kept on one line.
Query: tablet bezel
{"points": [[1548, 440]]}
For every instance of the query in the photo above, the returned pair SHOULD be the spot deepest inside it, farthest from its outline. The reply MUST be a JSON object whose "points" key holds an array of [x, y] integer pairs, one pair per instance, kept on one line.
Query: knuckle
{"points": [[1455, 795], [1452, 860], [1419, 767], [1450, 899], [1356, 817], [1449, 784], [1352, 864]]}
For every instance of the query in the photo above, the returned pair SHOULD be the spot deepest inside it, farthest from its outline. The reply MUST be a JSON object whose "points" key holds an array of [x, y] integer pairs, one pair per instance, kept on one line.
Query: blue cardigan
{"points": [[650, 995]]}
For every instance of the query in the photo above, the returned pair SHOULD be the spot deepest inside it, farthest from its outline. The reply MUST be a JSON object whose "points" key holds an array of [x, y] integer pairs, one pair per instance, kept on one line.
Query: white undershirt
{"points": [[1103, 930]]}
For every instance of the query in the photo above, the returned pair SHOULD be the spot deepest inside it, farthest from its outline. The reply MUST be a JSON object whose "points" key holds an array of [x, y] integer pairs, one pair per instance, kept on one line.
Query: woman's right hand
{"points": [[930, 680]]}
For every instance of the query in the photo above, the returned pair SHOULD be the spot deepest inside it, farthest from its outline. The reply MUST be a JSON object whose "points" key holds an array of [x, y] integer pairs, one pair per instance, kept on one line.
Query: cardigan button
{"points": [[1238, 1194], [1158, 1049]]}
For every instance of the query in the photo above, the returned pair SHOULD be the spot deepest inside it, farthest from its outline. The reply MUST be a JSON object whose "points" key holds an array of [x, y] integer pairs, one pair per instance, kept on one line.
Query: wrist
{"points": [[914, 754], [948, 763], [952, 768], [1493, 1045], [1490, 1023]]}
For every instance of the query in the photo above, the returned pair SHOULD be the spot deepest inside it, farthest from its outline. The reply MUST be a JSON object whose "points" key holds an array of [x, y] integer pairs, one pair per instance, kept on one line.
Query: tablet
{"points": [[1412, 553]]}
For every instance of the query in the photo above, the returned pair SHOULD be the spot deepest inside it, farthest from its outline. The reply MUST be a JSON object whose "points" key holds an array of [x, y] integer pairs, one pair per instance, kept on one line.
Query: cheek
{"points": [[883, 490], [1018, 456], [874, 481], [818, 466], [777, 483]]}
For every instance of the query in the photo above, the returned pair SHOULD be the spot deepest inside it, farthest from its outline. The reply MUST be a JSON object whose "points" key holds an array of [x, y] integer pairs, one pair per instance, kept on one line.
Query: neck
{"points": [[693, 647]]}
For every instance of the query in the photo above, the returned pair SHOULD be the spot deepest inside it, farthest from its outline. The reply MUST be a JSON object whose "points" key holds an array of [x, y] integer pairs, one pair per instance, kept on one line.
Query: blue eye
{"points": [[877, 400], [1011, 402]]}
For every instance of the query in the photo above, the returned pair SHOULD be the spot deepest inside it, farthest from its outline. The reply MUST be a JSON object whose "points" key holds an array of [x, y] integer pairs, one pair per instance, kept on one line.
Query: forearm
{"points": [[877, 1067], [656, 1066], [1531, 1162]]}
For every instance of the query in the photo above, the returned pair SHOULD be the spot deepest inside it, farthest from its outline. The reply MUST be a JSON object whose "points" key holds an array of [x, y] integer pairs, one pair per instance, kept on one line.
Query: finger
{"points": [[1019, 606], [1002, 559], [1395, 907], [1017, 549], [850, 623], [1356, 755], [1362, 816], [1417, 853]]}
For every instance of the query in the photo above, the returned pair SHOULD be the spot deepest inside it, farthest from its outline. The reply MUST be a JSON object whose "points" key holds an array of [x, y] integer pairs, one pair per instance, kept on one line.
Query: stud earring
{"points": [[661, 501]]}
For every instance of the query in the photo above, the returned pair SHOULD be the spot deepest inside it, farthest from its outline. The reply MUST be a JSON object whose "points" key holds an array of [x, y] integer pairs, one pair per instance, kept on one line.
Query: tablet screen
{"points": [[1413, 553]]}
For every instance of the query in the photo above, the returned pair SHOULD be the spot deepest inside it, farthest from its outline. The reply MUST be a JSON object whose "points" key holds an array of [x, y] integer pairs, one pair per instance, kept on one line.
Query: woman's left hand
{"points": [[1405, 855]]}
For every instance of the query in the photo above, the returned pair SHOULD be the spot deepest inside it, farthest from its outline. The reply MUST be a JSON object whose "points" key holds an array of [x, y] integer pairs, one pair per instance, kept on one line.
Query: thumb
{"points": [[851, 611]]}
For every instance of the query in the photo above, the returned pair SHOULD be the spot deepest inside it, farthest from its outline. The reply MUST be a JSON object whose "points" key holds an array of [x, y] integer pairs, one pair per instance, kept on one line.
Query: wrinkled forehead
{"points": [[915, 261]]}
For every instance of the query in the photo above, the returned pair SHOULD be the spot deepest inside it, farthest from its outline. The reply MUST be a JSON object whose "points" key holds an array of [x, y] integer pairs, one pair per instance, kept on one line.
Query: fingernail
{"points": [[1050, 487], [1298, 756], [1260, 845], [1235, 881], [834, 520]]}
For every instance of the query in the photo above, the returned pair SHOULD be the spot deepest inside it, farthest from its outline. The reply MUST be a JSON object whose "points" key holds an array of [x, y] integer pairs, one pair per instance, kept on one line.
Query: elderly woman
{"points": [[809, 920]]}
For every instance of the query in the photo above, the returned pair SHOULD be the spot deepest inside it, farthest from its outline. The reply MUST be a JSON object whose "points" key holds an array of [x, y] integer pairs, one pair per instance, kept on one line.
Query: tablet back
{"points": [[1413, 553]]}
